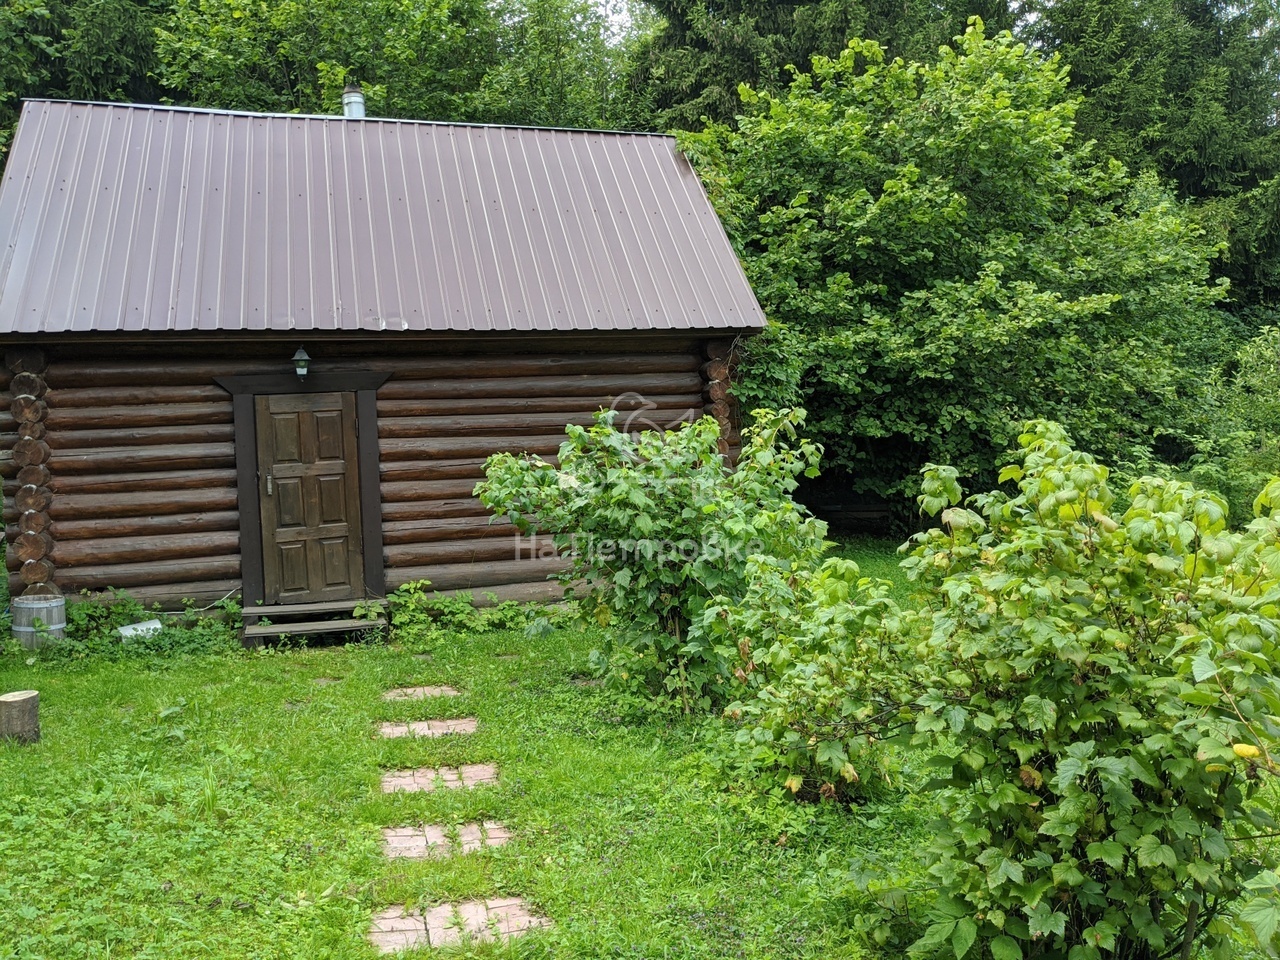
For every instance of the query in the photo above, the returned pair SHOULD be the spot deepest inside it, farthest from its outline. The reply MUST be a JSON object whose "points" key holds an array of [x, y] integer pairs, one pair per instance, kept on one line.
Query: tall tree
{"points": [[1187, 88], [1184, 87], [942, 258], [706, 48], [540, 62], [561, 63], [415, 58], [76, 49]]}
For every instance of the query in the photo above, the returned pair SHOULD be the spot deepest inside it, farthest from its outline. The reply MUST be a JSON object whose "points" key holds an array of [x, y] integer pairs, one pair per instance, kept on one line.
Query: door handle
{"points": [[268, 484]]}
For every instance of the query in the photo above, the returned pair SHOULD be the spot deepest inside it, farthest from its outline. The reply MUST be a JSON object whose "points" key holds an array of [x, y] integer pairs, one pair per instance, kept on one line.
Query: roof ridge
{"points": [[218, 111]]}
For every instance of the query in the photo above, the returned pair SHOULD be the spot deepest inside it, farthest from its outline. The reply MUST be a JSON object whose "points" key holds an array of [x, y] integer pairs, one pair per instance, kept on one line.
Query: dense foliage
{"points": [[1186, 88], [1106, 699], [655, 524], [551, 62], [942, 258], [1243, 448], [546, 62], [78, 49], [94, 621], [1095, 695], [702, 52]]}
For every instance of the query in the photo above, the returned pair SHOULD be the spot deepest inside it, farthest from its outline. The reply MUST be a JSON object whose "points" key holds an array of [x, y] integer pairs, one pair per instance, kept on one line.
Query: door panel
{"points": [[289, 510], [309, 489]]}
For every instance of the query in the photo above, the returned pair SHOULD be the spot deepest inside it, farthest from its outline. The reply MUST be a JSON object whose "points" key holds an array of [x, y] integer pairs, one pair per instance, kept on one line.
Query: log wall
{"points": [[138, 486]]}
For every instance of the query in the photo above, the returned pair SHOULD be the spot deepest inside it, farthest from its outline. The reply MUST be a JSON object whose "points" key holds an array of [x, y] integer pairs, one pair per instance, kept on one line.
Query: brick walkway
{"points": [[402, 928]]}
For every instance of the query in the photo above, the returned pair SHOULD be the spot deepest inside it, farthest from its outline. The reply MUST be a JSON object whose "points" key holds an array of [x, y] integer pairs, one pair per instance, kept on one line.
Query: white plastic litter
{"points": [[131, 630]]}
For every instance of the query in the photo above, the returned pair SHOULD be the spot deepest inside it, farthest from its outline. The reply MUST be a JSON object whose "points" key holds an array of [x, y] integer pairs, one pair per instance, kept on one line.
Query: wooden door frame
{"points": [[243, 390]]}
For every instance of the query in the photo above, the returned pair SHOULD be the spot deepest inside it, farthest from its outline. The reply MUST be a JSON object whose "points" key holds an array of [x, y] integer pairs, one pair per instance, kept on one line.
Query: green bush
{"points": [[420, 613], [655, 524], [1245, 448], [94, 619], [1102, 706], [1094, 694], [818, 651]]}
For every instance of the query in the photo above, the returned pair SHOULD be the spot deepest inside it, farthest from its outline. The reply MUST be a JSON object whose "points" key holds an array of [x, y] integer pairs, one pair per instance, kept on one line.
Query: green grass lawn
{"points": [[229, 806], [878, 558]]}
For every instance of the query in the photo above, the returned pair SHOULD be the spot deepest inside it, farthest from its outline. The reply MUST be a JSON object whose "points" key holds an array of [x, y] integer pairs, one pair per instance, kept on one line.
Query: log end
{"points": [[26, 360]]}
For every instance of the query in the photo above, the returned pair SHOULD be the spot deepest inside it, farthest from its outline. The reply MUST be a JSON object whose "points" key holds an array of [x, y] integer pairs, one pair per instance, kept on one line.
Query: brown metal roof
{"points": [[129, 218]]}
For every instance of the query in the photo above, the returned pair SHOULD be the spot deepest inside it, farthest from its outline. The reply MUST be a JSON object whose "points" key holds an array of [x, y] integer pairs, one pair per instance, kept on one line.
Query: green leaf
{"points": [[1152, 853], [962, 938], [1262, 914], [937, 934], [1199, 698], [832, 754], [1043, 921], [1202, 667], [1006, 869], [1108, 851], [1005, 948]]}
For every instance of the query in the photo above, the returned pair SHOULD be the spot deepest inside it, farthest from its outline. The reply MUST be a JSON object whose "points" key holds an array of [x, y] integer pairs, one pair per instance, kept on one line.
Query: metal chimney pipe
{"points": [[353, 102]]}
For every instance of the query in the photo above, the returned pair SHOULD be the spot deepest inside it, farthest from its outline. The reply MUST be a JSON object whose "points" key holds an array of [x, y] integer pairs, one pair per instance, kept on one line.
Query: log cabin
{"points": [[268, 355]]}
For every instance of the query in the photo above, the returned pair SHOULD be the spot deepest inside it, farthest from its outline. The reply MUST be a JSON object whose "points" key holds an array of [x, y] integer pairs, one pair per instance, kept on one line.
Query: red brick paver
{"points": [[399, 928], [427, 728], [424, 779], [435, 840]]}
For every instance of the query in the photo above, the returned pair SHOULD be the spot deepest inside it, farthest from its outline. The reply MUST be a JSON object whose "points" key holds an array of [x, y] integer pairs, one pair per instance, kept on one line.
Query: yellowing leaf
{"points": [[1246, 751]]}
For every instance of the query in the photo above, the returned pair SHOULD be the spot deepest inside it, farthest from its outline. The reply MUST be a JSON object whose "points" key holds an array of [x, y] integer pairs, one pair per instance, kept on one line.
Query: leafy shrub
{"points": [[417, 612], [817, 650], [1245, 448], [1102, 706], [653, 525], [941, 255], [1095, 694], [94, 619]]}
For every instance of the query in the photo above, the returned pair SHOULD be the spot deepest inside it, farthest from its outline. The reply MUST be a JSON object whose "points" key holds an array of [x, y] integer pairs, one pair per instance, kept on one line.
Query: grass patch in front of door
{"points": [[229, 806]]}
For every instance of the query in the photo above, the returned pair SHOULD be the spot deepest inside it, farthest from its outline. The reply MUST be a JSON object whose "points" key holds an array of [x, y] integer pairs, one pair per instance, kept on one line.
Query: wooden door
{"points": [[309, 488]]}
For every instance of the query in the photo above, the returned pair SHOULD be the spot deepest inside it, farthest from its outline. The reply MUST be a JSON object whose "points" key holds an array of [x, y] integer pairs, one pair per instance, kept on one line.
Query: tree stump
{"points": [[20, 716]]}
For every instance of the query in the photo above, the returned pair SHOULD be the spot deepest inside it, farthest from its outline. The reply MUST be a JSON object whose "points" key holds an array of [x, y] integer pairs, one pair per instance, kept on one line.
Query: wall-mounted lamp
{"points": [[300, 362]]}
